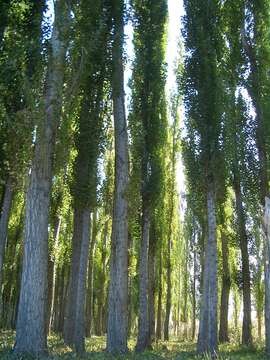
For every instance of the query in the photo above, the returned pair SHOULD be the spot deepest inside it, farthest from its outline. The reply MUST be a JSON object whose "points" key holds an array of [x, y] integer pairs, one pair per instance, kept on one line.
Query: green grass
{"points": [[165, 350]]}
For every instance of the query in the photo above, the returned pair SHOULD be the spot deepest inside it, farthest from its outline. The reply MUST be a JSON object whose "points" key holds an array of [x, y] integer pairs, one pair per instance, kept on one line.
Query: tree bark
{"points": [[6, 207], [31, 331], [169, 290], [159, 307], [89, 296], [246, 328], [207, 340], [225, 292], [143, 324], [52, 276], [267, 272], [79, 335], [152, 282], [194, 302], [117, 327], [70, 311]]}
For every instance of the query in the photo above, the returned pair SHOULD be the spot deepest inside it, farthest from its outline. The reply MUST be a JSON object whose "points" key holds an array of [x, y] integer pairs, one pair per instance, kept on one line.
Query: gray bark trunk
{"points": [[70, 311], [159, 307], [169, 291], [117, 328], [207, 340], [89, 304], [225, 293], [143, 321], [267, 272], [246, 328], [31, 331], [79, 336], [152, 283], [7, 202], [74, 326], [51, 299]]}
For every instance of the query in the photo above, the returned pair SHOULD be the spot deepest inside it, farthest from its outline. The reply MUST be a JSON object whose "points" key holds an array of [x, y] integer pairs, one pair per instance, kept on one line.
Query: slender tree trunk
{"points": [[130, 283], [89, 298], [207, 341], [194, 302], [79, 335], [103, 278], [225, 292], [117, 328], [31, 331], [267, 272], [169, 291], [69, 321], [246, 329], [256, 94], [159, 307], [152, 282], [7, 202], [52, 263], [185, 294], [143, 325]]}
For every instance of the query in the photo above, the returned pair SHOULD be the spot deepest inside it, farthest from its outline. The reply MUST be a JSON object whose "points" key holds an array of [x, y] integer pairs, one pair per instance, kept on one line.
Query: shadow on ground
{"points": [[173, 350]]}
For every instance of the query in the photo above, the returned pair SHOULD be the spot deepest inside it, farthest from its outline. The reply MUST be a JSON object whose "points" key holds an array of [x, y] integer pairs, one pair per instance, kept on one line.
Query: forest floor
{"points": [[165, 350]]}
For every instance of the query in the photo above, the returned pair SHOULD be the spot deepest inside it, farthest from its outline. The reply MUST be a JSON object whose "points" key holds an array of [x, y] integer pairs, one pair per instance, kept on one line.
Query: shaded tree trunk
{"points": [[31, 331], [246, 328], [152, 282], [143, 324], [89, 297], [5, 212], [225, 292], [117, 327], [52, 276], [169, 291], [194, 302], [159, 307], [267, 272], [79, 334], [207, 340]]}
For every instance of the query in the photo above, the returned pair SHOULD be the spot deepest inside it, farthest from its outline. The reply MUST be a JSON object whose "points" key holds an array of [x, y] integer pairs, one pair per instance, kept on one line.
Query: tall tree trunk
{"points": [[256, 94], [143, 325], [194, 302], [207, 340], [267, 272], [152, 282], [5, 211], [89, 296], [52, 276], [169, 290], [79, 335], [185, 293], [246, 328], [225, 292], [117, 328], [159, 307], [31, 331]]}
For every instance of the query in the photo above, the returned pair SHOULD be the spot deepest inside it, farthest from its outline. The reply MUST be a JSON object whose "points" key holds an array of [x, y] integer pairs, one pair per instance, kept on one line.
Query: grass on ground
{"points": [[95, 346]]}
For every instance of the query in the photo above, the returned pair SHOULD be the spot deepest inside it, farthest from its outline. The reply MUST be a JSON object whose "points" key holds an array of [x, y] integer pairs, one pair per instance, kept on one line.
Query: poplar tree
{"points": [[117, 326], [148, 122], [203, 97], [31, 332]]}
